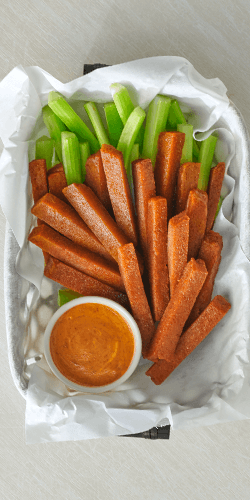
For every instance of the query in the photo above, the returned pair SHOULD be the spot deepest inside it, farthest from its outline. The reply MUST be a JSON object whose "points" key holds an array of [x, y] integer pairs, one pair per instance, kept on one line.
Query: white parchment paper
{"points": [[212, 384]]}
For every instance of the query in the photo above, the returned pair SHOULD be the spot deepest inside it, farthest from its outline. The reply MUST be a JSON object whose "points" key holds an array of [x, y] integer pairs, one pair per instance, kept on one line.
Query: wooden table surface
{"points": [[59, 36]]}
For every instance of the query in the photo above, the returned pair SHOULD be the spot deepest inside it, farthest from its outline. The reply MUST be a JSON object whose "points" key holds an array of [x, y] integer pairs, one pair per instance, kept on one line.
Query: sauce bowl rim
{"points": [[128, 318]]}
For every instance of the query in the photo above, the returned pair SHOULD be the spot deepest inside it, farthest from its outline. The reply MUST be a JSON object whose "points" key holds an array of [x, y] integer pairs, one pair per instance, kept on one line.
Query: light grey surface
{"points": [[59, 36]]}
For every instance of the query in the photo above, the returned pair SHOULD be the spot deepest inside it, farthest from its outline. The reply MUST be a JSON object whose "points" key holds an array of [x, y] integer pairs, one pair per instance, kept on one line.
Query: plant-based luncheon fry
{"points": [[119, 191], [76, 256], [82, 283], [96, 179], [178, 237], [144, 189], [64, 219], [188, 177], [57, 181], [214, 189], [131, 276], [196, 210], [167, 165], [192, 337], [210, 252], [38, 176], [157, 256], [176, 314]]}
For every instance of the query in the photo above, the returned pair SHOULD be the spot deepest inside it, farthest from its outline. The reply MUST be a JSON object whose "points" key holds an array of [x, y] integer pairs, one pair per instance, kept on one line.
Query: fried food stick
{"points": [[76, 256], [167, 165], [188, 177], [119, 191], [96, 179], [196, 210], [57, 181], [38, 176], [178, 237], [179, 307], [91, 210], [192, 337], [82, 283], [210, 252], [129, 269], [214, 189], [144, 188], [62, 217], [158, 255]]}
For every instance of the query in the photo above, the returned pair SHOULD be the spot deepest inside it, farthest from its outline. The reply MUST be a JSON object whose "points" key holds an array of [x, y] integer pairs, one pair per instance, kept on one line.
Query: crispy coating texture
{"points": [[214, 189], [178, 238], [188, 177], [76, 256], [144, 188], [167, 164], [158, 255], [57, 181], [119, 191], [96, 179], [129, 269], [80, 282], [62, 217], [38, 176], [179, 307], [192, 337], [196, 210]]}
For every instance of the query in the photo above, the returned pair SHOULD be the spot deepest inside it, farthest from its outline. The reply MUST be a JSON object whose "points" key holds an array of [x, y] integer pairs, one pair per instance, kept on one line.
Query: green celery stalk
{"points": [[130, 132], [175, 117], [55, 127], [122, 101], [44, 150], [65, 296], [114, 122], [94, 116], [187, 151], [55, 160], [205, 159], [71, 119], [125, 107], [155, 124], [84, 154], [71, 158], [219, 205], [135, 153]]}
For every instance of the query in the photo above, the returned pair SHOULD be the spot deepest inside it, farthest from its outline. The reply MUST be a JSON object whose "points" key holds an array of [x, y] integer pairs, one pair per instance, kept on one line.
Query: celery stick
{"points": [[71, 158], [114, 122], [125, 107], [65, 296], [187, 151], [135, 153], [205, 159], [93, 114], [55, 127], [219, 205], [44, 150], [122, 101], [155, 123], [129, 133], [72, 121], [175, 115], [84, 153], [55, 160]]}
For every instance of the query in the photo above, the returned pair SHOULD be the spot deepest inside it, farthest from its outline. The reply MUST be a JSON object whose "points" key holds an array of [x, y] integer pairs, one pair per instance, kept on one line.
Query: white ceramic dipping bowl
{"points": [[125, 315]]}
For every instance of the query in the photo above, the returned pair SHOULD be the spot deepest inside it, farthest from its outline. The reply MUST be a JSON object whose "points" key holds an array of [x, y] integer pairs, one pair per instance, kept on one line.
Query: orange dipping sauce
{"points": [[92, 345]]}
